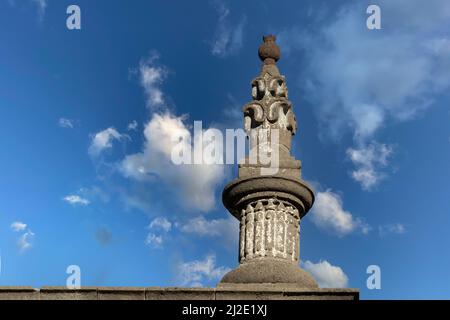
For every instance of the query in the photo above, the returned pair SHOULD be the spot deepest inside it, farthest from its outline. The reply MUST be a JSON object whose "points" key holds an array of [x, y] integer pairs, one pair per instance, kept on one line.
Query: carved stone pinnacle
{"points": [[269, 207]]}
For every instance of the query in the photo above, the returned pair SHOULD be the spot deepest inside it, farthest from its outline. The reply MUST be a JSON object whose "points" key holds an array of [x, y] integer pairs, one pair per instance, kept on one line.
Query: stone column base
{"points": [[269, 271]]}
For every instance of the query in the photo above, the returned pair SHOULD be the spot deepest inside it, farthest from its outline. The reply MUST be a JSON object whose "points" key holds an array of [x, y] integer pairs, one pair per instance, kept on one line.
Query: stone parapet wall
{"points": [[159, 293]]}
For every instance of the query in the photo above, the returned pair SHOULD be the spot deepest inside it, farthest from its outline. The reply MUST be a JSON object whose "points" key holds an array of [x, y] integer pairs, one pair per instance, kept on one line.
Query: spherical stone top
{"points": [[269, 52]]}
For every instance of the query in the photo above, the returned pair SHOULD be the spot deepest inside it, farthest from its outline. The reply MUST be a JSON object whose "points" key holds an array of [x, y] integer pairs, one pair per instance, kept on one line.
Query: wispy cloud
{"points": [[154, 241], [327, 275], [132, 126], [103, 140], [361, 80], [368, 161], [195, 273], [66, 123], [158, 227], [160, 223], [161, 228], [24, 241], [152, 75], [18, 226], [225, 229], [93, 193], [389, 74], [76, 200], [228, 38], [328, 214], [41, 6], [393, 228]]}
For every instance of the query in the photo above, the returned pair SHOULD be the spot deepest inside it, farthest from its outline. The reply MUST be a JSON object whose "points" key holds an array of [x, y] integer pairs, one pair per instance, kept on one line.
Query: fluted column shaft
{"points": [[269, 228]]}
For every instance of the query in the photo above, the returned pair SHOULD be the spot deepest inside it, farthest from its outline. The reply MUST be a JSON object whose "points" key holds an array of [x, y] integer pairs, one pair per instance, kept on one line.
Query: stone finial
{"points": [[269, 52], [270, 114]]}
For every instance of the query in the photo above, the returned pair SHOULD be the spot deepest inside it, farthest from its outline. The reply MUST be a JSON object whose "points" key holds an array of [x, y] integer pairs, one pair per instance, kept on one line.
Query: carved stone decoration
{"points": [[269, 228], [269, 207], [270, 105], [270, 108]]}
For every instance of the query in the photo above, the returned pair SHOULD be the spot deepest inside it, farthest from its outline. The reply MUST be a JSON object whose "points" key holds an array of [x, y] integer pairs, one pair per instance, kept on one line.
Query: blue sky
{"points": [[85, 177]]}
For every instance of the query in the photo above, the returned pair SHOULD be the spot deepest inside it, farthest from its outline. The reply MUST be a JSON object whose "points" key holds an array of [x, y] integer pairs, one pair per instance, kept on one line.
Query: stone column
{"points": [[269, 206]]}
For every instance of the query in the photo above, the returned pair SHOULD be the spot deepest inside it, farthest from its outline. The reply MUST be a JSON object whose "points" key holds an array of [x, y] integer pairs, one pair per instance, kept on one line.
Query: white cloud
{"points": [[361, 80], [368, 160], [395, 228], [228, 37], [195, 184], [24, 241], [66, 123], [154, 241], [132, 126], [76, 200], [152, 76], [328, 214], [226, 229], [161, 223], [18, 226], [327, 275], [194, 273], [103, 140]]}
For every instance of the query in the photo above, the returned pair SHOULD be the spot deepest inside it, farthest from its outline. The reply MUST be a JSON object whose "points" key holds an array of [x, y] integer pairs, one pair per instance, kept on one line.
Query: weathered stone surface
{"points": [[287, 168], [269, 228], [240, 192], [269, 271], [63, 293], [267, 291], [121, 293], [180, 294], [248, 295], [18, 293], [223, 292], [269, 52]]}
